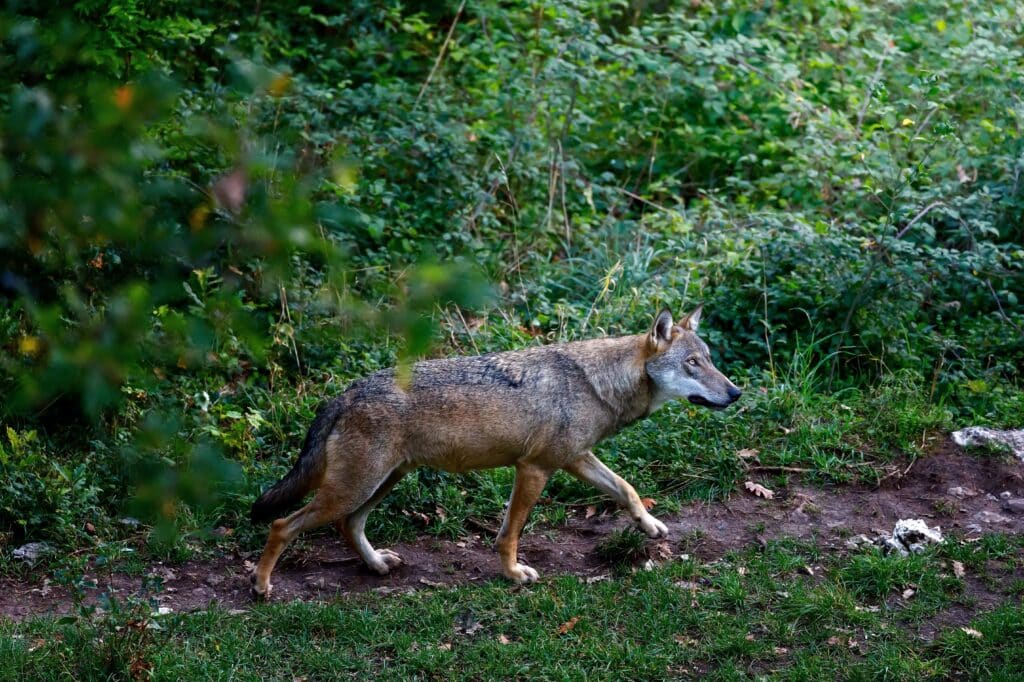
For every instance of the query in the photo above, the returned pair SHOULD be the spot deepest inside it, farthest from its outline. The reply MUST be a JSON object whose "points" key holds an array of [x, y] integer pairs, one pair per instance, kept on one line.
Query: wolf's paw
{"points": [[386, 560], [521, 573], [652, 526], [258, 592]]}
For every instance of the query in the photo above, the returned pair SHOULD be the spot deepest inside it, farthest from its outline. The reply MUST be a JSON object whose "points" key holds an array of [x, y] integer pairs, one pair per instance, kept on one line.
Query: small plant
{"points": [[944, 508], [623, 548]]}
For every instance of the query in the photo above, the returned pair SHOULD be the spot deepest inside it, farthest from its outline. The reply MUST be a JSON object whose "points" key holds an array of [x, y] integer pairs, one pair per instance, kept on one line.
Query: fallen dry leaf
{"points": [[502, 639], [683, 640], [648, 503], [590, 512], [971, 632], [568, 625], [759, 490], [958, 569], [908, 593], [748, 453]]}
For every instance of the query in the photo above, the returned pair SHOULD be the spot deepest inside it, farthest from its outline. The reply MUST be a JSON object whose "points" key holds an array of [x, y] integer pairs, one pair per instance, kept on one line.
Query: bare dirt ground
{"points": [[957, 491]]}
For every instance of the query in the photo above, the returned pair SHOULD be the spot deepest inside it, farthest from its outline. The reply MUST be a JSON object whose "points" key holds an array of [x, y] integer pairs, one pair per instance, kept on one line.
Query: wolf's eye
{"points": [[692, 362]]}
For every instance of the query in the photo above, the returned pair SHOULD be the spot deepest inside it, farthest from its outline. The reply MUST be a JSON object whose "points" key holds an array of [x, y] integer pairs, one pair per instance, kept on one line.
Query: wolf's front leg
{"points": [[530, 481], [590, 469]]}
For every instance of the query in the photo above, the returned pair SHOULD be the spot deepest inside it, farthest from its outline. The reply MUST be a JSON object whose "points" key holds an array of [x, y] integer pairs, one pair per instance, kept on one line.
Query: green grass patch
{"points": [[754, 613]]}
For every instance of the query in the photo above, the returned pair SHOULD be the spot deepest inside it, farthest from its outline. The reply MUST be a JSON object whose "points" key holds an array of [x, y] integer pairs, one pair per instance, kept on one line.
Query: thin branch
{"points": [[1002, 312], [633, 195], [871, 90], [440, 54], [923, 213], [469, 332]]}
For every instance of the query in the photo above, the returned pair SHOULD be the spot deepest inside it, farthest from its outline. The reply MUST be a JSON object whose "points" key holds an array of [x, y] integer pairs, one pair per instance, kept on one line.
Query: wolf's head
{"points": [[680, 366]]}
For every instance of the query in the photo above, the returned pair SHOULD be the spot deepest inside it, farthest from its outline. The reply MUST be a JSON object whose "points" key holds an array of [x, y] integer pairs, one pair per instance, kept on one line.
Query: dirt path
{"points": [[826, 517]]}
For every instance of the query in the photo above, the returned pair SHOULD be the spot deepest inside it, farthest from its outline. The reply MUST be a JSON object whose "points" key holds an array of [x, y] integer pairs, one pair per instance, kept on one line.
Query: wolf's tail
{"points": [[307, 470]]}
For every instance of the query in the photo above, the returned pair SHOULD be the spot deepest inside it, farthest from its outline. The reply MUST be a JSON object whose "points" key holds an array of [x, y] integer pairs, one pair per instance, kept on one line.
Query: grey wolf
{"points": [[539, 409]]}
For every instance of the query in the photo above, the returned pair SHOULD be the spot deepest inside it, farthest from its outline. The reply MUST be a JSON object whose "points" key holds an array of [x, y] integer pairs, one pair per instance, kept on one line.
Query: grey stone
{"points": [[986, 516], [1014, 505], [32, 552]]}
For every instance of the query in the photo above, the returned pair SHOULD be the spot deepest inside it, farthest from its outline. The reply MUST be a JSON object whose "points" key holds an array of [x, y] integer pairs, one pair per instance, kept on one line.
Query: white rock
{"points": [[910, 531], [910, 536], [1013, 439], [961, 492]]}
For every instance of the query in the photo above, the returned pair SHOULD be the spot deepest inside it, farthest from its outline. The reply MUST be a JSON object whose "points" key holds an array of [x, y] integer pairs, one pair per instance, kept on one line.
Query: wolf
{"points": [[539, 410]]}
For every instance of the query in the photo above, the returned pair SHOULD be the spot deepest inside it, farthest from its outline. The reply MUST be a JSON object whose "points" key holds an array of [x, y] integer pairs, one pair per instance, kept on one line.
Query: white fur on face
{"points": [[677, 385]]}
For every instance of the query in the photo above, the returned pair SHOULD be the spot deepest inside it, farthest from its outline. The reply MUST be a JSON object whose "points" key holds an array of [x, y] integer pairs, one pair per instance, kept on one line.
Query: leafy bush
{"points": [[215, 218]]}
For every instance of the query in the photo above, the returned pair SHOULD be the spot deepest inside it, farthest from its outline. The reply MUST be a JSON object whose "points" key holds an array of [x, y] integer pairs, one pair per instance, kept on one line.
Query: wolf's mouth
{"points": [[704, 402]]}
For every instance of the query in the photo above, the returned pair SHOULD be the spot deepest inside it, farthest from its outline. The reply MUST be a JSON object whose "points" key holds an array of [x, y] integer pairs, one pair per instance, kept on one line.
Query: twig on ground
{"points": [[480, 525], [788, 470]]}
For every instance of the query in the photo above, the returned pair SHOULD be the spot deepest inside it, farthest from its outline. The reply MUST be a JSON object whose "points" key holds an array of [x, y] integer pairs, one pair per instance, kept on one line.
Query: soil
{"points": [[325, 568]]}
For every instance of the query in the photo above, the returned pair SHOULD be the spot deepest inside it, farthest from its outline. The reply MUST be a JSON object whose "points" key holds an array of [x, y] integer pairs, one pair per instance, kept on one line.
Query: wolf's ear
{"points": [[692, 321], [661, 332]]}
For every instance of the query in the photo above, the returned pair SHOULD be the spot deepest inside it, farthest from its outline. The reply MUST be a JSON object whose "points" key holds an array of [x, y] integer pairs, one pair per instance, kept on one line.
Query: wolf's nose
{"points": [[734, 393]]}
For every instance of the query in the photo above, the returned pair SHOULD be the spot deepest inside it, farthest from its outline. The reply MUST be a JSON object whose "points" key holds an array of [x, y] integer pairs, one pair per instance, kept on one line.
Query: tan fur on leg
{"points": [[530, 481], [590, 469]]}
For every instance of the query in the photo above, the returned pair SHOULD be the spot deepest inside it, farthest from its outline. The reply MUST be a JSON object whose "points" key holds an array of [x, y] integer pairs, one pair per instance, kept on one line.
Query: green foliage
{"points": [[45, 495], [214, 218]]}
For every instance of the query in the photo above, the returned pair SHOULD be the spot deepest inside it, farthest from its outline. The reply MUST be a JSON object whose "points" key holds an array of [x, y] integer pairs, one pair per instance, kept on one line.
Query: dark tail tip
{"points": [[266, 507], [307, 470], [283, 495]]}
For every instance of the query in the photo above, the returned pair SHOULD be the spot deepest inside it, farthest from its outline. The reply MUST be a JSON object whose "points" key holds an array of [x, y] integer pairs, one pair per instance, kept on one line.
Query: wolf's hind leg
{"points": [[530, 481], [283, 531], [590, 469], [353, 528]]}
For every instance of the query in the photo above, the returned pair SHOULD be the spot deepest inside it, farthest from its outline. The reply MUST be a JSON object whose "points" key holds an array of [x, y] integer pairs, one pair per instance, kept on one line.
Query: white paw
{"points": [[521, 573], [386, 560], [259, 592], [652, 526]]}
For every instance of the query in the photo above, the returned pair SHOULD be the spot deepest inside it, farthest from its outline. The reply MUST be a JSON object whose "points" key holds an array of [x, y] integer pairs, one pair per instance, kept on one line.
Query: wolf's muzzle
{"points": [[733, 394]]}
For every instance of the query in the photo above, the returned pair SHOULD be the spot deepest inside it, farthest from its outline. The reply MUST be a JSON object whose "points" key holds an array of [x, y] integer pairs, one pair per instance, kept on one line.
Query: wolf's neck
{"points": [[615, 370]]}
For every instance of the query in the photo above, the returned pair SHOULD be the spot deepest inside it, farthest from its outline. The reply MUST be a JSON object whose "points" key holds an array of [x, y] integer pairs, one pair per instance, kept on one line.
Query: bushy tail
{"points": [[306, 472]]}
